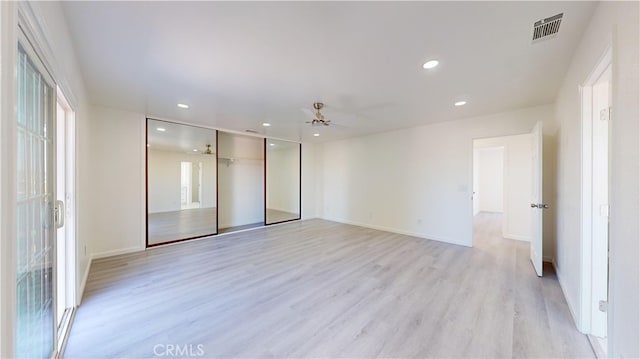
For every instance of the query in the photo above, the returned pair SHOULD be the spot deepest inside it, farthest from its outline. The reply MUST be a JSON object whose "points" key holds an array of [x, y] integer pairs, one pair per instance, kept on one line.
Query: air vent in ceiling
{"points": [[547, 28], [251, 131]]}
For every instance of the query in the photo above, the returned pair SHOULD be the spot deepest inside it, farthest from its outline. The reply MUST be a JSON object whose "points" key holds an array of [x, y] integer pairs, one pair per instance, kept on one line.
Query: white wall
{"points": [[613, 23], [283, 178], [312, 185], [241, 182], [117, 214], [489, 194], [164, 179], [419, 181], [518, 173]]}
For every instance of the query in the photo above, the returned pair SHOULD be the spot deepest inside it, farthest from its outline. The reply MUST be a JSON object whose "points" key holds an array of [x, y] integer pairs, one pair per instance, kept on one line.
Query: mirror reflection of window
{"points": [[181, 182], [283, 181]]}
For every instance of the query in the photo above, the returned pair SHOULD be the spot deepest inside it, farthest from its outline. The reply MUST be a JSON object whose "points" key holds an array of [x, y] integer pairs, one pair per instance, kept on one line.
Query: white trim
{"points": [[517, 237], [400, 231], [116, 252], [586, 205], [83, 283]]}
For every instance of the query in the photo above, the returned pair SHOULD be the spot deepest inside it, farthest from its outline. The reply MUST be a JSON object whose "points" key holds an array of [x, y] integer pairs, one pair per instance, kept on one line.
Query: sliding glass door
{"points": [[35, 207]]}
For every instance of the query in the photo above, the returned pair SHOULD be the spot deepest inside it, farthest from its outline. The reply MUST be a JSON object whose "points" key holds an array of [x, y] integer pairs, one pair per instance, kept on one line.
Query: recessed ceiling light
{"points": [[460, 103], [181, 105], [161, 129], [148, 145], [266, 124], [430, 64], [195, 150], [272, 144], [316, 134]]}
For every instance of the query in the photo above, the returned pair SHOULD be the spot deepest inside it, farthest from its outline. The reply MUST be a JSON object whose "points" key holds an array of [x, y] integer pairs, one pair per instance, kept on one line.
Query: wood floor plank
{"points": [[316, 288]]}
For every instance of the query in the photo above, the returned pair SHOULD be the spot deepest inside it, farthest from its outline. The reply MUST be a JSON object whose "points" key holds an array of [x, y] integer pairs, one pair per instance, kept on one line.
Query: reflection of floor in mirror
{"points": [[190, 205], [274, 216], [188, 223]]}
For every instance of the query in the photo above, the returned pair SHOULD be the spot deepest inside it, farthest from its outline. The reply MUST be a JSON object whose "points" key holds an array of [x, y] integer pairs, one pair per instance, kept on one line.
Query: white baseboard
{"points": [[117, 252], [548, 260], [400, 231], [517, 237], [576, 322], [83, 283]]}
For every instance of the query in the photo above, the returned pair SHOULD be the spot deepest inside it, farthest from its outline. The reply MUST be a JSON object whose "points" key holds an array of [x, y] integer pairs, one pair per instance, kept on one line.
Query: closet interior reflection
{"points": [[240, 182], [282, 181], [181, 182]]}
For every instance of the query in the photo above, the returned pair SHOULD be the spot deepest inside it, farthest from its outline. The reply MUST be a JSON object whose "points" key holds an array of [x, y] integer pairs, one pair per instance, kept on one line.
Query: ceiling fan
{"points": [[317, 118], [207, 151]]}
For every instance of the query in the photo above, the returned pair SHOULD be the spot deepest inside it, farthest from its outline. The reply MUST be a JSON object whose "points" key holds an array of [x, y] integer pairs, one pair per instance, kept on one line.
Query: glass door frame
{"points": [[24, 41]]}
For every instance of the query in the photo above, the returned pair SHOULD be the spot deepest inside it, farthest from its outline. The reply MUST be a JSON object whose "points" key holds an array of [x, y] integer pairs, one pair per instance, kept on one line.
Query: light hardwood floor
{"points": [[316, 288]]}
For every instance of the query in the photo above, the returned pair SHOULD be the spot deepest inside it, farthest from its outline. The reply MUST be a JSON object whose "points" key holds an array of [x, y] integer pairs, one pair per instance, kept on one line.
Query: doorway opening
{"points": [[190, 185], [65, 233], [596, 115], [502, 182], [503, 178]]}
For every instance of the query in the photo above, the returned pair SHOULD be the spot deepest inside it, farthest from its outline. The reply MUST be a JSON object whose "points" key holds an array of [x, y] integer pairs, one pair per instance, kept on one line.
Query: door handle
{"points": [[59, 214], [540, 205]]}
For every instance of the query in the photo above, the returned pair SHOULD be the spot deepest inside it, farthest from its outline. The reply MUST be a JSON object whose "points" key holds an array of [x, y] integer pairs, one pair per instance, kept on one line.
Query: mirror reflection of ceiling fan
{"points": [[207, 150]]}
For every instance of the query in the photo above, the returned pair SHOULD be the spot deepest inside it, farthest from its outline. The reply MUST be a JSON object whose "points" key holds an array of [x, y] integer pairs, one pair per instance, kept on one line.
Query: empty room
{"points": [[319, 179]]}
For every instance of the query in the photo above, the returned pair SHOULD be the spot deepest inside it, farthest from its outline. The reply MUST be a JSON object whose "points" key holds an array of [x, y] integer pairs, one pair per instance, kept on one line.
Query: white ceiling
{"points": [[238, 64]]}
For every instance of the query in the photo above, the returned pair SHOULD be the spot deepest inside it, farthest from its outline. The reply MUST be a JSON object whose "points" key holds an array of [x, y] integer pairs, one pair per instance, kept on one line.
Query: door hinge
{"points": [[605, 114], [602, 305]]}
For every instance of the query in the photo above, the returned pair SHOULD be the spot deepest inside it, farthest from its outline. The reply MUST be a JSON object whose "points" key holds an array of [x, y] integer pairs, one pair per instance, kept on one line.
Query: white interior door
{"points": [[536, 200]]}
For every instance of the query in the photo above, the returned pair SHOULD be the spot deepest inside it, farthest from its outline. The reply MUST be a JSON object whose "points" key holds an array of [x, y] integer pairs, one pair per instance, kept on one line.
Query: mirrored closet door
{"points": [[240, 182], [181, 182], [282, 178]]}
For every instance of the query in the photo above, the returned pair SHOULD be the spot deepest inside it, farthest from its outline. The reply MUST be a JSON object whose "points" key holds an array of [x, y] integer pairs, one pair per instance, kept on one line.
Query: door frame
{"points": [[71, 224], [586, 188]]}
